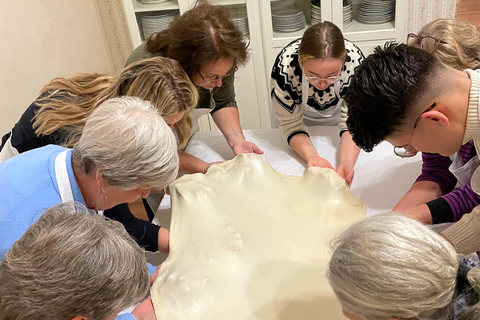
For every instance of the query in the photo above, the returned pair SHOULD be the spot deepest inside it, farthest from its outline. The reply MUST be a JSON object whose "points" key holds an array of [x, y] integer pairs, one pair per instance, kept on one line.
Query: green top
{"points": [[223, 96]]}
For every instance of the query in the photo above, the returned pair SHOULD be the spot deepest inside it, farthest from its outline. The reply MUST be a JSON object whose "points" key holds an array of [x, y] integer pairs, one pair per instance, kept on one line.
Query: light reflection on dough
{"points": [[247, 242]]}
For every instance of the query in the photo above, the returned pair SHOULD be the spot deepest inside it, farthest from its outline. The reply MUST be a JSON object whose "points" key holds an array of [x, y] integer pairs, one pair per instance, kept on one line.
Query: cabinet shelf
{"points": [[227, 2], [143, 7], [357, 31]]}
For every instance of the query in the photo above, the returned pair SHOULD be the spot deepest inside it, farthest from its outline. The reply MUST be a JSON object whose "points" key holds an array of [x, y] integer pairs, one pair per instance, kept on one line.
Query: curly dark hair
{"points": [[385, 89], [201, 35]]}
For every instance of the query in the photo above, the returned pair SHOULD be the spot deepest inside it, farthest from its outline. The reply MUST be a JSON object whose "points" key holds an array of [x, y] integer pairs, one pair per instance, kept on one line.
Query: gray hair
{"points": [[72, 262], [127, 140], [391, 266]]}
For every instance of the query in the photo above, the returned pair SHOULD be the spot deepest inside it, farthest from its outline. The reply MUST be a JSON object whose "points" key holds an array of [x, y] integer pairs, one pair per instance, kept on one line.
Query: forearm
{"points": [[191, 164], [348, 150], [228, 121], [302, 145], [420, 193], [163, 239]]}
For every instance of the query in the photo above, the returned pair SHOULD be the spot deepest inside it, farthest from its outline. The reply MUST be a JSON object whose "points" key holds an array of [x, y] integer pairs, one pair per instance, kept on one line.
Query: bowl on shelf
{"points": [[240, 19], [376, 11], [156, 22], [288, 20]]}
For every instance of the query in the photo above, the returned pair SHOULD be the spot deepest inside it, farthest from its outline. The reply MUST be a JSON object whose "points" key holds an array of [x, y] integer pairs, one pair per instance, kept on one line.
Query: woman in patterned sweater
{"points": [[309, 80]]}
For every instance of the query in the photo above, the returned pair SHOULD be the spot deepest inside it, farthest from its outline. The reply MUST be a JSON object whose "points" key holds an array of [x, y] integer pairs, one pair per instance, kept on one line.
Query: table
{"points": [[381, 178]]}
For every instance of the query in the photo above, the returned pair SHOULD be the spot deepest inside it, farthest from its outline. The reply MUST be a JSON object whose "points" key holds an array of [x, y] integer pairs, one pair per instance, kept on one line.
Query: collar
{"points": [[472, 128]]}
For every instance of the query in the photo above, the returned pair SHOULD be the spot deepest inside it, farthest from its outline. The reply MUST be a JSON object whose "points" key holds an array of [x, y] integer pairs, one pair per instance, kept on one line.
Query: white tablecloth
{"points": [[381, 178]]}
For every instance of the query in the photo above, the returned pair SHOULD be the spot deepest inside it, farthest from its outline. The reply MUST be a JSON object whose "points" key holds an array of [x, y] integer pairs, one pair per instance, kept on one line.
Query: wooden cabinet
{"points": [[252, 81]]}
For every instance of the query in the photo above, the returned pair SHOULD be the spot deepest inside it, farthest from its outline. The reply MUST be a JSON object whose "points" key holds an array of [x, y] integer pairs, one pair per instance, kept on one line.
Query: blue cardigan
{"points": [[28, 186]]}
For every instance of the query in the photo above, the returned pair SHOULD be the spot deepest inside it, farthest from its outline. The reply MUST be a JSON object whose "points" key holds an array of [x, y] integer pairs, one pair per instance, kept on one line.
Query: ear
{"points": [[436, 116], [99, 178]]}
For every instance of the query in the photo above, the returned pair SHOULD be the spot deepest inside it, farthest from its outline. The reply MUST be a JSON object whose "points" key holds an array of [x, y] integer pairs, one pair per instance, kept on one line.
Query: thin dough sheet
{"points": [[247, 242]]}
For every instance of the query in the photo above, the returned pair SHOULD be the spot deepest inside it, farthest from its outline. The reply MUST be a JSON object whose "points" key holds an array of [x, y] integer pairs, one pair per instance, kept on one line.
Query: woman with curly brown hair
{"points": [[210, 48]]}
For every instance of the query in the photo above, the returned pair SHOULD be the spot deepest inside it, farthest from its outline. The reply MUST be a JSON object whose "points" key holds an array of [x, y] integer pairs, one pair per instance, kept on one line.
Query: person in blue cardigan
{"points": [[125, 150]]}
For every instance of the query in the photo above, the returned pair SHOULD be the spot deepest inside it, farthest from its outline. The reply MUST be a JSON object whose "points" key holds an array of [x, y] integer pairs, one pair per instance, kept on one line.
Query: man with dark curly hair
{"points": [[406, 96]]}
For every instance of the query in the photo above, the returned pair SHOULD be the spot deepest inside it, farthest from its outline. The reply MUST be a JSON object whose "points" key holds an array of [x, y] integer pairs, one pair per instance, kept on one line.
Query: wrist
{"points": [[235, 137], [206, 167]]}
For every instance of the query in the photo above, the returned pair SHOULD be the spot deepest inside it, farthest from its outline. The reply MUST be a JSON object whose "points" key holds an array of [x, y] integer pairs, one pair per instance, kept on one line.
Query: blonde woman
{"points": [[59, 115], [443, 193], [393, 267]]}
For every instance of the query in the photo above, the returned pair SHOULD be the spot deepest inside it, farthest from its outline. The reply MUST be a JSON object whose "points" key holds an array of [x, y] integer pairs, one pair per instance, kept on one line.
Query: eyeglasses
{"points": [[329, 80], [427, 43], [408, 150], [216, 77]]}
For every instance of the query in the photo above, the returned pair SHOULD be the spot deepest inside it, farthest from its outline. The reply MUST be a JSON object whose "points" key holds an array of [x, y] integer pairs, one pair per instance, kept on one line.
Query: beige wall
{"points": [[421, 12], [41, 40]]}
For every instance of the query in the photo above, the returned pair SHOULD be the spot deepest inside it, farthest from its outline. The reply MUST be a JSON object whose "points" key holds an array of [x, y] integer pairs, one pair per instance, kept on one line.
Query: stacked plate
{"points": [[316, 15], [376, 11], [288, 20], [152, 23], [347, 13], [239, 17], [152, 1]]}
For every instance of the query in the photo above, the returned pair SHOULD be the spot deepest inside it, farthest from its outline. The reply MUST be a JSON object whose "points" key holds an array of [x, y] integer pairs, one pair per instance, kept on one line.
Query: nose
{"points": [[218, 82], [322, 85]]}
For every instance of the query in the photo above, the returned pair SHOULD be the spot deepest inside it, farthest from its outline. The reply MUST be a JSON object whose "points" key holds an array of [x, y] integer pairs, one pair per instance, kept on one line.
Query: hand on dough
{"points": [[246, 147], [145, 311], [318, 161], [346, 172]]}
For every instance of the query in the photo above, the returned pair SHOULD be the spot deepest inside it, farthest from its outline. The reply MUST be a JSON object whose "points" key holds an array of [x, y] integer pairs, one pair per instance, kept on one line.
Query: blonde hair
{"points": [[129, 143], [462, 48], [391, 266], [69, 263], [68, 102], [320, 41]]}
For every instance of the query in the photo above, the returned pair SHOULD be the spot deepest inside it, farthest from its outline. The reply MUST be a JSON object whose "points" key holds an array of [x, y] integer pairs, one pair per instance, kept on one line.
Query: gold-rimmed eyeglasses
{"points": [[426, 43], [213, 78], [408, 150], [329, 80]]}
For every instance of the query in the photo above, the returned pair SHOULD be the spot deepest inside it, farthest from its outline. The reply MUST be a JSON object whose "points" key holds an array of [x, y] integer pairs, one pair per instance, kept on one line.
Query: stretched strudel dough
{"points": [[247, 242]]}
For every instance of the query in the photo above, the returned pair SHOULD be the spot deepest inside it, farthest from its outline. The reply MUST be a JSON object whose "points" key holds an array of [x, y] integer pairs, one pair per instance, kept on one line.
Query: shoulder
{"points": [[286, 72], [140, 53], [354, 54], [353, 59], [288, 57]]}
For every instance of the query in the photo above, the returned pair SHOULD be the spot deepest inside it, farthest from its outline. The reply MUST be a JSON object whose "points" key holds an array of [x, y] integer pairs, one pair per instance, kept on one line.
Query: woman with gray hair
{"points": [[393, 267], [125, 150], [72, 263]]}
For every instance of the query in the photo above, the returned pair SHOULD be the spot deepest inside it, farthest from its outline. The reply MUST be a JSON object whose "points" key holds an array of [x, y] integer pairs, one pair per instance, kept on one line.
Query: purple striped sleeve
{"points": [[435, 169], [462, 200], [467, 151]]}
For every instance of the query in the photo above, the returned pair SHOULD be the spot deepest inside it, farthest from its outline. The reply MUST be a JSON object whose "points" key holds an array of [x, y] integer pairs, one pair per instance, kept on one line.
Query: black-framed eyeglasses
{"points": [[216, 77], [426, 43], [329, 80], [408, 150]]}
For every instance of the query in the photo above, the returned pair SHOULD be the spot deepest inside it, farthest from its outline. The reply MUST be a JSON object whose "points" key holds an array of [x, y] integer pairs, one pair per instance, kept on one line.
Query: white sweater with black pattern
{"points": [[286, 89]]}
